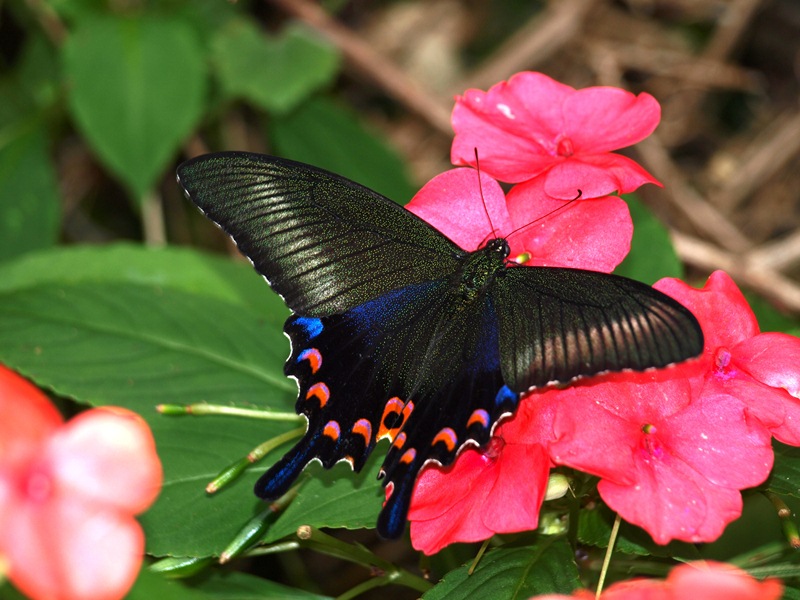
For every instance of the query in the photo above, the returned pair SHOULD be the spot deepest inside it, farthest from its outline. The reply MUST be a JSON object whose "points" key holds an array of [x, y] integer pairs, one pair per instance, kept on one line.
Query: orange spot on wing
{"points": [[363, 428], [448, 437], [480, 417], [332, 430], [314, 358], [395, 414], [408, 456], [319, 391], [399, 441]]}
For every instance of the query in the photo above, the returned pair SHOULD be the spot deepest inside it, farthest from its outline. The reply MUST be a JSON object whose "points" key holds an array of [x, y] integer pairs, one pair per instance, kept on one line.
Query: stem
{"points": [[612, 540], [314, 539], [232, 472], [202, 408], [785, 515]]}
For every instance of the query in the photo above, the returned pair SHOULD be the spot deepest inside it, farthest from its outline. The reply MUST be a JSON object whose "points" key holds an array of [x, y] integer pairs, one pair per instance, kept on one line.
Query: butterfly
{"points": [[399, 333]]}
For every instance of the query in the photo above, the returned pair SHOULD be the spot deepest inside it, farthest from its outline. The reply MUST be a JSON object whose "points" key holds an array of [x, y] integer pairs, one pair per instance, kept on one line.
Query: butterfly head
{"points": [[498, 247]]}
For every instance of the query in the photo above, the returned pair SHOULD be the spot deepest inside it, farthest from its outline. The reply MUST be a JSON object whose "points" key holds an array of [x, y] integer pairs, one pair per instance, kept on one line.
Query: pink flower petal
{"points": [[639, 589], [672, 460], [717, 581], [107, 456], [772, 360], [595, 175], [478, 496], [532, 125], [28, 418], [671, 501], [594, 235], [722, 310], [61, 549], [715, 438], [452, 203], [498, 489], [602, 119]]}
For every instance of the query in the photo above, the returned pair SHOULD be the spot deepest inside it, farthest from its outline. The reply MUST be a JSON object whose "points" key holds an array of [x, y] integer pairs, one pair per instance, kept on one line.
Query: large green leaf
{"points": [[29, 201], [274, 73], [325, 134], [547, 567], [139, 346], [137, 86], [173, 267]]}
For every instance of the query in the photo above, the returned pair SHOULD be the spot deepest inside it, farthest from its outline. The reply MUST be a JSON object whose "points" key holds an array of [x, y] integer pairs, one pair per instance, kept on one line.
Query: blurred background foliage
{"points": [[101, 99]]}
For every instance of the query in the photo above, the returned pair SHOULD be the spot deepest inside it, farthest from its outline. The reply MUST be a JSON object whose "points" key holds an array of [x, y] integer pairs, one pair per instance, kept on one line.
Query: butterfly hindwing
{"points": [[324, 243], [557, 324], [418, 366]]}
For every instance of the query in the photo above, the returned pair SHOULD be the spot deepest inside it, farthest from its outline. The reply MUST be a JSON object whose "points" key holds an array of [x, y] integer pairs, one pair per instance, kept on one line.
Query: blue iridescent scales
{"points": [[398, 333]]}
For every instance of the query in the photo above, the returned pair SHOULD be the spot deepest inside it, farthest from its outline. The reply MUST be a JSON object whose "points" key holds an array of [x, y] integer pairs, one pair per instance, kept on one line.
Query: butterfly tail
{"points": [[279, 478], [392, 518]]}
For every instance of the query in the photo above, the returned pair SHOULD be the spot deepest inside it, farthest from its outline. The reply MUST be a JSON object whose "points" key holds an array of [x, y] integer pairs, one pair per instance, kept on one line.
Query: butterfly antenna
{"points": [[483, 199], [544, 216]]}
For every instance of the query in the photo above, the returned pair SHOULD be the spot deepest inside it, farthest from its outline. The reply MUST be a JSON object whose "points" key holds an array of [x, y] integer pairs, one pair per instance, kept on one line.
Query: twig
{"points": [[703, 216], [781, 290], [778, 254], [768, 153], [378, 69], [532, 43]]}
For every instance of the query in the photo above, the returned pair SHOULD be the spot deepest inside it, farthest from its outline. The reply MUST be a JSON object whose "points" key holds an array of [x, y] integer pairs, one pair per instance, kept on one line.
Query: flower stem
{"points": [[612, 540]]}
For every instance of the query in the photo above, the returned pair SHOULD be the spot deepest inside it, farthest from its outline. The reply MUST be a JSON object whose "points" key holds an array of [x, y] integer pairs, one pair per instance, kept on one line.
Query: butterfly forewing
{"points": [[325, 244], [557, 324]]}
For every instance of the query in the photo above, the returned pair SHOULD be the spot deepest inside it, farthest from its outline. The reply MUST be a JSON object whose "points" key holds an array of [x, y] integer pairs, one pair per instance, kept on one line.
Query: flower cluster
{"points": [[673, 448], [707, 580], [69, 493]]}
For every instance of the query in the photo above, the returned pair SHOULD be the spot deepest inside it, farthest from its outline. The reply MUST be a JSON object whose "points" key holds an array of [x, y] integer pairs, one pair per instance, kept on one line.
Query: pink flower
{"points": [[706, 580], [592, 235], [68, 493], [719, 581], [495, 489], [761, 369], [533, 126], [482, 484], [683, 443]]}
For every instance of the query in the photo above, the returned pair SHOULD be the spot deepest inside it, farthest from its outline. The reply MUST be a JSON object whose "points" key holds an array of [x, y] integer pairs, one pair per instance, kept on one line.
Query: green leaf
{"points": [[233, 585], [652, 255], [334, 498], [547, 567], [785, 476], [29, 201], [137, 89], [274, 73], [177, 268], [136, 347], [324, 134], [150, 585], [769, 317], [594, 529]]}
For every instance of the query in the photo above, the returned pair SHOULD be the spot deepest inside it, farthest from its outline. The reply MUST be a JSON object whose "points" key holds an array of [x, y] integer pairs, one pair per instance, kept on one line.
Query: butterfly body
{"points": [[398, 333]]}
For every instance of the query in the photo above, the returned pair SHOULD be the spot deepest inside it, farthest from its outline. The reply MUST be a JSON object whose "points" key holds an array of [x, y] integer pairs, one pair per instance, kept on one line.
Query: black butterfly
{"points": [[397, 332]]}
